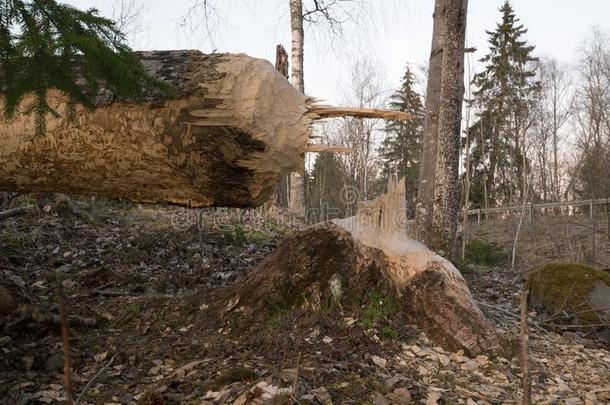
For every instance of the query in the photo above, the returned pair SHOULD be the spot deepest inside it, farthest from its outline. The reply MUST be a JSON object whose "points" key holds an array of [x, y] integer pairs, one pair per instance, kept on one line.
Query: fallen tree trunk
{"points": [[342, 262], [232, 130]]}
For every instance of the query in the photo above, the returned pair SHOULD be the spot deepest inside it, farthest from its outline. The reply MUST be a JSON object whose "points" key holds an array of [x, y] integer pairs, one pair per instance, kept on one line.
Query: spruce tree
{"points": [[505, 92], [400, 151], [325, 185], [46, 46]]}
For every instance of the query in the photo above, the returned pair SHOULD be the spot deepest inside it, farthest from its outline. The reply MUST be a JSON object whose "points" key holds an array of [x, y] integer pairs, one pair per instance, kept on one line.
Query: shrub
{"points": [[487, 253]]}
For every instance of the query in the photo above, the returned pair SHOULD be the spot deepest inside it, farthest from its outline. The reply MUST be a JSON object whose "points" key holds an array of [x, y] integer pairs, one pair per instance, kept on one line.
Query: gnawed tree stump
{"points": [[233, 128], [343, 262]]}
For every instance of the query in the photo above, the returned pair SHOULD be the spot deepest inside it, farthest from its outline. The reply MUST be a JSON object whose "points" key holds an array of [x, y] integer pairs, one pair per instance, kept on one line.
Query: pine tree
{"points": [[400, 151], [506, 90], [45, 45], [325, 189]]}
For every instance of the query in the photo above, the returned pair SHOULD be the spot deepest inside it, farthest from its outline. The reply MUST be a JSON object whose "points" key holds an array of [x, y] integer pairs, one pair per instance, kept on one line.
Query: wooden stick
{"points": [[504, 311], [525, 359], [319, 147], [66, 342], [13, 212], [92, 380], [327, 111]]}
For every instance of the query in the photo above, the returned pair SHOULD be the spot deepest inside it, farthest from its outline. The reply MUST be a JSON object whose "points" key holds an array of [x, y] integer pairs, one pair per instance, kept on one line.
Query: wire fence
{"points": [[574, 207]]}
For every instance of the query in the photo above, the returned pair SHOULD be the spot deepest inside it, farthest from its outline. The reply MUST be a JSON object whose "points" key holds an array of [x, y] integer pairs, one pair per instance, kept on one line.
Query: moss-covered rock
{"points": [[571, 290]]}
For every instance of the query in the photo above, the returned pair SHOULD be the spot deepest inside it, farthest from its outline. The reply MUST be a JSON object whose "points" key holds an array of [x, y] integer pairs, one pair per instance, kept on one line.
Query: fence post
{"points": [[478, 217], [591, 210], [530, 216]]}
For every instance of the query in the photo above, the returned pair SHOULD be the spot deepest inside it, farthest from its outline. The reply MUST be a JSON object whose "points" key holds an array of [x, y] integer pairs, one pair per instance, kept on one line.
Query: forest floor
{"points": [[135, 281]]}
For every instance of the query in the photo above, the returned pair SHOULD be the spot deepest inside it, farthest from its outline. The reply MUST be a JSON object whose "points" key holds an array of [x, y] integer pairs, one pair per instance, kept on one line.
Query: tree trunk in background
{"points": [[282, 193], [298, 37], [556, 188], [297, 190], [425, 196], [446, 192]]}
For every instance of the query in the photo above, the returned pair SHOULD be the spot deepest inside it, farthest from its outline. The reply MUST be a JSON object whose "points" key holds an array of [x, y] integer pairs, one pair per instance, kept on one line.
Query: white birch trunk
{"points": [[297, 190]]}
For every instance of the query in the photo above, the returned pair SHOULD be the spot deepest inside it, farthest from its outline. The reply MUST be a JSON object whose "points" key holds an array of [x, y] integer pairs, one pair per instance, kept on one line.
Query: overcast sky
{"points": [[390, 32]]}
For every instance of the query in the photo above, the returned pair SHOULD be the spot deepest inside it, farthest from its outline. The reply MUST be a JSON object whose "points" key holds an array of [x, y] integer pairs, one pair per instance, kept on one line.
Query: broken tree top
{"points": [[233, 129]]}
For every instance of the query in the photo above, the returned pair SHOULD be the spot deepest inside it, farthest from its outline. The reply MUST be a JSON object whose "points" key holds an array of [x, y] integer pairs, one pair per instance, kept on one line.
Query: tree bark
{"points": [[232, 130], [298, 47], [297, 187], [446, 192], [282, 193], [425, 195]]}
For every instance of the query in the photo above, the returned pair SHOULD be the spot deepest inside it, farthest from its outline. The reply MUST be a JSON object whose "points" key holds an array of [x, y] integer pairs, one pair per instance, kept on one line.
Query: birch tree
{"points": [[297, 191], [593, 118], [557, 107], [365, 90], [317, 12]]}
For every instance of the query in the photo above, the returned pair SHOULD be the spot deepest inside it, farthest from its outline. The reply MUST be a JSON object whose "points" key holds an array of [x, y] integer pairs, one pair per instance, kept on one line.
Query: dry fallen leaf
{"points": [[100, 357], [379, 361]]}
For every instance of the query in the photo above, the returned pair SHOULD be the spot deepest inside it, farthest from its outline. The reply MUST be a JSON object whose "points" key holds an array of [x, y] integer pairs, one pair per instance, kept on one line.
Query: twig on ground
{"points": [[90, 382], [575, 326], [110, 293], [66, 341], [516, 316], [524, 339], [14, 212], [565, 301], [296, 375]]}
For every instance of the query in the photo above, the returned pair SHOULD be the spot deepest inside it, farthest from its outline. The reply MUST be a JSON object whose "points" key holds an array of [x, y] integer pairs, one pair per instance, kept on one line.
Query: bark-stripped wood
{"points": [[347, 260], [320, 147], [232, 130], [325, 111]]}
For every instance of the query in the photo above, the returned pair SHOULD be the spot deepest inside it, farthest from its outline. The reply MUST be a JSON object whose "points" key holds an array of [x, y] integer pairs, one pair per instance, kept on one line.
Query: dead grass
{"points": [[549, 238]]}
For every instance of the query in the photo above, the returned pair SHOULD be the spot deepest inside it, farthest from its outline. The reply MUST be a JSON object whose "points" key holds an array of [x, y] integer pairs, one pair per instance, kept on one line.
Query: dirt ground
{"points": [[136, 282]]}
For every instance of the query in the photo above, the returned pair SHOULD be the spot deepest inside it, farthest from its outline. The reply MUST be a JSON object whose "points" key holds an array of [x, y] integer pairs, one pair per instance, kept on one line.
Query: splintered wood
{"points": [[327, 111], [433, 291], [386, 212], [344, 261]]}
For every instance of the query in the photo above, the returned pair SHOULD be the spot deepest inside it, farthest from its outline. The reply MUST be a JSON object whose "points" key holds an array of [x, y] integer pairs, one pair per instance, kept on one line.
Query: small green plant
{"points": [[275, 321], [487, 253], [258, 237], [240, 236], [379, 308], [17, 241], [389, 332]]}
